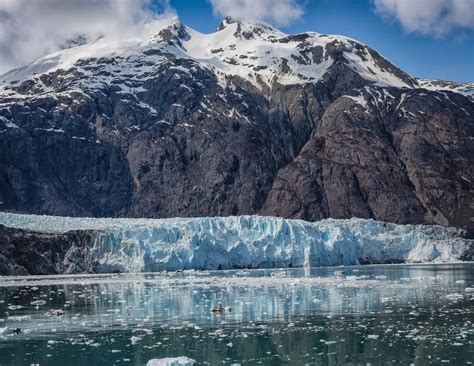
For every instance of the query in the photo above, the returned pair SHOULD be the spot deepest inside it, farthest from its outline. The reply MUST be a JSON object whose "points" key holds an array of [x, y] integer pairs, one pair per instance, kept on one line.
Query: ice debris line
{"points": [[142, 245]]}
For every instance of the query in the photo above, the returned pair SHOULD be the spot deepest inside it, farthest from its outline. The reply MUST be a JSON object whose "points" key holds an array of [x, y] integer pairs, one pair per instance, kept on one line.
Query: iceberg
{"points": [[151, 245]]}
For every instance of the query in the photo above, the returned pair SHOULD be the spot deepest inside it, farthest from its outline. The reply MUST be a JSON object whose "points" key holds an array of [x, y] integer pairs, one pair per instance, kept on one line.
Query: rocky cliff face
{"points": [[24, 252], [246, 120]]}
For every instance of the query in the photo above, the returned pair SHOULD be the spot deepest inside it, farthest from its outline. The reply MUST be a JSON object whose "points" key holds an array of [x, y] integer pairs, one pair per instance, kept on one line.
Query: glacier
{"points": [[151, 245]]}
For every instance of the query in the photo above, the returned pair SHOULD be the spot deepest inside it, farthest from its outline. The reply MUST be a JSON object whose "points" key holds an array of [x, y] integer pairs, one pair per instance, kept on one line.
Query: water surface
{"points": [[398, 314]]}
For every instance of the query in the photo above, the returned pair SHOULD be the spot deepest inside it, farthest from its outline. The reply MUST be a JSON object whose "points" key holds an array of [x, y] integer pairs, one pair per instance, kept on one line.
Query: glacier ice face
{"points": [[150, 245]]}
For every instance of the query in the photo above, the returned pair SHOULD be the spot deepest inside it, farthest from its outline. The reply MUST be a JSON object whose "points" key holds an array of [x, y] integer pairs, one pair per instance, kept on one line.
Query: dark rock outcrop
{"points": [[412, 164], [24, 252]]}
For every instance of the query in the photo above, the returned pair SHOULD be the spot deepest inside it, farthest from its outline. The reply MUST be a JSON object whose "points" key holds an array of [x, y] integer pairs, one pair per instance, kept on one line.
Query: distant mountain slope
{"points": [[246, 120]]}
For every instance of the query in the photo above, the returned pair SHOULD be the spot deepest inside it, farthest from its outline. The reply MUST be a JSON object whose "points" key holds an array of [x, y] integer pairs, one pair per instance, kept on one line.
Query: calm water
{"points": [[376, 314]]}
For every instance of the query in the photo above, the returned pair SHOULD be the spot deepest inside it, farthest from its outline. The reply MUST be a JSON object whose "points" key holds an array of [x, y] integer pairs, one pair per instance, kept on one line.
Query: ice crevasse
{"points": [[139, 245]]}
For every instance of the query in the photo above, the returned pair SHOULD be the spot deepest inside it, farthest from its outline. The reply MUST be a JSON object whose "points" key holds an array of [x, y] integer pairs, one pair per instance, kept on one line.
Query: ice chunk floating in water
{"points": [[176, 361], [137, 245]]}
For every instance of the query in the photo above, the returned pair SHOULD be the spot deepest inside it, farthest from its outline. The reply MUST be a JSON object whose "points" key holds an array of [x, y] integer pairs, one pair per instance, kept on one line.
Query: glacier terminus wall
{"points": [[149, 245]]}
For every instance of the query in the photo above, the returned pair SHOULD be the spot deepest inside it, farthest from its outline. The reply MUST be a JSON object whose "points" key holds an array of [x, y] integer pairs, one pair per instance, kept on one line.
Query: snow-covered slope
{"points": [[466, 89], [256, 52], [134, 245]]}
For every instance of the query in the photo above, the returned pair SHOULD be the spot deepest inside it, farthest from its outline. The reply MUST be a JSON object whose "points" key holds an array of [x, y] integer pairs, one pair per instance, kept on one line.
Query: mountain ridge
{"points": [[170, 31]]}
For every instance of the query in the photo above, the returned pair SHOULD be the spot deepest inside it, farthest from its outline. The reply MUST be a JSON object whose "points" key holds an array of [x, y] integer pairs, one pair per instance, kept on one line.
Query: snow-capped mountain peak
{"points": [[253, 51]]}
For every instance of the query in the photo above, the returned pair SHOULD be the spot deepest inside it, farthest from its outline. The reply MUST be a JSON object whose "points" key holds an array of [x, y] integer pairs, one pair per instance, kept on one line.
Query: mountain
{"points": [[170, 122]]}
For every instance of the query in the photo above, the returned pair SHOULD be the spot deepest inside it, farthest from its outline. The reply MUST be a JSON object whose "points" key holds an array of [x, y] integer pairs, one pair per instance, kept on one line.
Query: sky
{"points": [[427, 38]]}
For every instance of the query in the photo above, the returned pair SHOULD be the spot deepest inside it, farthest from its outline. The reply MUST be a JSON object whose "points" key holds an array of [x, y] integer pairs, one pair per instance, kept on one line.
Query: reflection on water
{"points": [[375, 314]]}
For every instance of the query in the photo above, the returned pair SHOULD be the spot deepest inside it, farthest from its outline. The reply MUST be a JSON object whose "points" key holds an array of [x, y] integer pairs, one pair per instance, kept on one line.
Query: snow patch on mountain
{"points": [[466, 89], [358, 99]]}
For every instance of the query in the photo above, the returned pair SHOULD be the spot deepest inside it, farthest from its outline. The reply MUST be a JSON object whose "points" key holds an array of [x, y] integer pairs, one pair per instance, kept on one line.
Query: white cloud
{"points": [[429, 17], [281, 12], [30, 29]]}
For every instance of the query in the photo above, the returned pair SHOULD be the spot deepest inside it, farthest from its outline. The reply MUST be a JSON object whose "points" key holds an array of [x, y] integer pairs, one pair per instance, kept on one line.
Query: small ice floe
{"points": [[460, 282], [454, 297], [55, 313], [38, 302], [135, 339], [339, 274], [3, 331], [171, 361], [469, 290], [15, 307], [20, 318], [372, 336]]}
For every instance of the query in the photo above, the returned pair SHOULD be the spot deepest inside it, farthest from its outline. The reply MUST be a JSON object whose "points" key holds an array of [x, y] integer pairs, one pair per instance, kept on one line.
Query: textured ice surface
{"points": [[137, 245]]}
